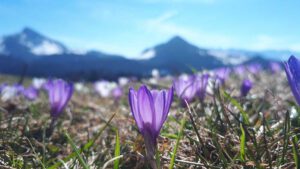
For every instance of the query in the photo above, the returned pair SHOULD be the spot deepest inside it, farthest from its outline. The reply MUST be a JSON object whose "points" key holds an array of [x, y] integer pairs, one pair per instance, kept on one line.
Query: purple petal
{"points": [[146, 105], [134, 108], [292, 69]]}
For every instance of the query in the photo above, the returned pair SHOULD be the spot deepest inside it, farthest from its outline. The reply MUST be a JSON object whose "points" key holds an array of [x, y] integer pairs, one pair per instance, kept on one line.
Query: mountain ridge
{"points": [[45, 57]]}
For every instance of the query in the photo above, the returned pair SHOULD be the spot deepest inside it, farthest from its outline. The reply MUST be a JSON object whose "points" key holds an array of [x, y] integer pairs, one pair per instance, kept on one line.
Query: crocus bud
{"points": [[292, 69], [59, 93], [150, 110], [201, 86], [245, 87]]}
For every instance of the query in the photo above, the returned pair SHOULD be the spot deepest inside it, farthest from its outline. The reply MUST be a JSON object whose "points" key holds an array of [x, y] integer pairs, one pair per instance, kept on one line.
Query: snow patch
{"points": [[227, 57], [47, 48], [23, 40]]}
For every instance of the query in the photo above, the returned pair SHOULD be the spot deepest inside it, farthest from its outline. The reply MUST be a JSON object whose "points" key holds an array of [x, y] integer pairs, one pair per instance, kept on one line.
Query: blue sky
{"points": [[128, 27]]}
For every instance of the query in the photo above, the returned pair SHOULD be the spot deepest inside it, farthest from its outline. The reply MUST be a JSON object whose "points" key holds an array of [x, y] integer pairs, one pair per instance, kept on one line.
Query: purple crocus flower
{"points": [[201, 86], [292, 69], [246, 87], [150, 109], [186, 88], [254, 68], [2, 86], [275, 67], [59, 93], [222, 74], [19, 88], [117, 93], [239, 70], [31, 93]]}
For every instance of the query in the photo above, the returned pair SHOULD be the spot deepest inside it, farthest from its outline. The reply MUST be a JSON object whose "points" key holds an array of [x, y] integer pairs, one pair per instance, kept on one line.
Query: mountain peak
{"points": [[30, 32], [177, 39]]}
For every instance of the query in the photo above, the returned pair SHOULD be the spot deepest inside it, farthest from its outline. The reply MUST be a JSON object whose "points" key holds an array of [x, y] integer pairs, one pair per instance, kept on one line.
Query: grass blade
{"points": [[296, 151], [81, 160], [242, 143], [117, 150], [86, 147], [177, 143], [237, 104]]}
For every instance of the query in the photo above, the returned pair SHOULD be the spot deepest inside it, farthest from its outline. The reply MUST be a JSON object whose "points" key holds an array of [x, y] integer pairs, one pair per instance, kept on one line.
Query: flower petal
{"points": [[145, 105], [133, 102]]}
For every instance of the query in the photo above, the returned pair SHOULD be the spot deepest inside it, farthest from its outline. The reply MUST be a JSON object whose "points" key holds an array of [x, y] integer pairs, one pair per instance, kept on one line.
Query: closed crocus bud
{"points": [[292, 69], [201, 86], [31, 93], [150, 110], [246, 86], [59, 93], [185, 88]]}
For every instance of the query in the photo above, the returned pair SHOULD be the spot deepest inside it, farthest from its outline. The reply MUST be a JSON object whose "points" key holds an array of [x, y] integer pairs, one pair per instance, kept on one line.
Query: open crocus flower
{"points": [[31, 93], [292, 69], [186, 88], [201, 86], [150, 110], [59, 93], [246, 87], [222, 75]]}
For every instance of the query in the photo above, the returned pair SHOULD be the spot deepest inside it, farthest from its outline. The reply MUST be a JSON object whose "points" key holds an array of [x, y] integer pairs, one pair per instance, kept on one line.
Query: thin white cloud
{"points": [[268, 42], [163, 25]]}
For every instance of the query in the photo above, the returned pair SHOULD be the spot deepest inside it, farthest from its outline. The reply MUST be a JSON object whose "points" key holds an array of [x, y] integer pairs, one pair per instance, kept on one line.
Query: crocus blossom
{"points": [[185, 87], [8, 93], [239, 70], [104, 88], [275, 67], [59, 93], [292, 69], [254, 68], [222, 75], [150, 109], [246, 87], [202, 83], [2, 86], [38, 82], [31, 93], [117, 93]]}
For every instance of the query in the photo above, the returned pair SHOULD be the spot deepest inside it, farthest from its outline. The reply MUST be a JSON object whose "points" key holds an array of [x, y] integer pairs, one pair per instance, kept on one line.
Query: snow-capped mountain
{"points": [[29, 43], [33, 54]]}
